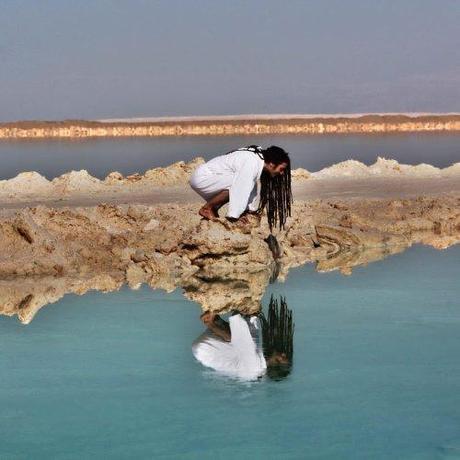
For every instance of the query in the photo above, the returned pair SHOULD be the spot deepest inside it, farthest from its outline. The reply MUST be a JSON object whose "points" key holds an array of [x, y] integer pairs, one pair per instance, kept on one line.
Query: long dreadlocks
{"points": [[275, 192], [278, 335]]}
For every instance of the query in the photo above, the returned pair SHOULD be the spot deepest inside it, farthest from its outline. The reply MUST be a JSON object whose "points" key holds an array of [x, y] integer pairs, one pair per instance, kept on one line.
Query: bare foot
{"points": [[208, 213], [208, 317]]}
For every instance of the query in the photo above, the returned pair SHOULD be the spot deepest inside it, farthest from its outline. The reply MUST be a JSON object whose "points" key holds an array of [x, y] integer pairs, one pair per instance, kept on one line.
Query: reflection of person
{"points": [[232, 178], [278, 338], [248, 347]]}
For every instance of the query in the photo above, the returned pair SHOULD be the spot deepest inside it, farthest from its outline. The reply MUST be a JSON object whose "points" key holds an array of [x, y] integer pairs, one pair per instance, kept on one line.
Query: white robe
{"points": [[240, 358], [237, 172]]}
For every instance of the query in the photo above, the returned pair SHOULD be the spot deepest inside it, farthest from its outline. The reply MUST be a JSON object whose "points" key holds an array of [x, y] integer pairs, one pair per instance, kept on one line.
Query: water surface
{"points": [[376, 373], [129, 155]]}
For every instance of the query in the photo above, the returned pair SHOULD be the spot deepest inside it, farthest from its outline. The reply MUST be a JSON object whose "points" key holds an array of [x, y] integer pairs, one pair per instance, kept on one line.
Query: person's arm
{"points": [[253, 206], [241, 190]]}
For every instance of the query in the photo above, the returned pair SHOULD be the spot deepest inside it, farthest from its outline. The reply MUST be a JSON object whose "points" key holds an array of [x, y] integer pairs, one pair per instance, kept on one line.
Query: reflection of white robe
{"points": [[237, 172], [242, 357]]}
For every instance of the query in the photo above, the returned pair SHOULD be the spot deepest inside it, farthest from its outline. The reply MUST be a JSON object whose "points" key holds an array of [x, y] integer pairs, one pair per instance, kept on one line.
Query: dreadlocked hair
{"points": [[275, 192], [278, 335]]}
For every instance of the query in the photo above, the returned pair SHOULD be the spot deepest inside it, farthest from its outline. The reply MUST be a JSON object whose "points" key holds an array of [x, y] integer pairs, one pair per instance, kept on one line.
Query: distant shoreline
{"points": [[228, 125]]}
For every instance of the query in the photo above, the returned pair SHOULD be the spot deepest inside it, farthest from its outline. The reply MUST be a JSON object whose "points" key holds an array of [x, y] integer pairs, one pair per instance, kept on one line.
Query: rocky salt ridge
{"points": [[31, 184], [27, 184], [48, 252], [386, 168], [234, 125]]}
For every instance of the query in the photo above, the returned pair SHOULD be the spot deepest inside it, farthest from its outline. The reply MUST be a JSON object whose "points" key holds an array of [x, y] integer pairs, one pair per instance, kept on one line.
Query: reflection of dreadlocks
{"points": [[278, 337], [275, 192]]}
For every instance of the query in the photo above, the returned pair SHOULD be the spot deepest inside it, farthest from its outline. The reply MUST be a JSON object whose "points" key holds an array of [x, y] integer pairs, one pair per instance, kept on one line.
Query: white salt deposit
{"points": [[77, 181], [384, 168], [32, 183]]}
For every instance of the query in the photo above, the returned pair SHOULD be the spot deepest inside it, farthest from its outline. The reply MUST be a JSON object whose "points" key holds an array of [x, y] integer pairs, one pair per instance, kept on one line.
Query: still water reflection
{"points": [[52, 158], [248, 347], [375, 374]]}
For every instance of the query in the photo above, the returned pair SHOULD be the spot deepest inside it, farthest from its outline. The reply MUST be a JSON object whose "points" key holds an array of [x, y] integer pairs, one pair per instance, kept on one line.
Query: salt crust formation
{"points": [[32, 184], [234, 125], [28, 185], [48, 252]]}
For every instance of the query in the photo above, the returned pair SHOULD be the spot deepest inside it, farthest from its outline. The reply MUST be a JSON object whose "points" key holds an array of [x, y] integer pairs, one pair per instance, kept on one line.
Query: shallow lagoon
{"points": [[129, 155], [376, 373]]}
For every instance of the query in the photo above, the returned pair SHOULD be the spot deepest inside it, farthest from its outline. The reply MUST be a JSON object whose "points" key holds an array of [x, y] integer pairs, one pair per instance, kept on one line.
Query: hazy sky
{"points": [[99, 59]]}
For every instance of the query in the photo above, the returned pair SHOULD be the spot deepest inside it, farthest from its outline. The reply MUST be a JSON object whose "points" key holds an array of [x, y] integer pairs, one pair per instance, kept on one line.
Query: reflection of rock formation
{"points": [[24, 296], [347, 259], [346, 248], [48, 252], [233, 267], [222, 295]]}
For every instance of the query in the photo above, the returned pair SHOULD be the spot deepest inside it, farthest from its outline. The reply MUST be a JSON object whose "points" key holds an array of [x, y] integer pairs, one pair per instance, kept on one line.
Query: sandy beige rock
{"points": [[218, 264]]}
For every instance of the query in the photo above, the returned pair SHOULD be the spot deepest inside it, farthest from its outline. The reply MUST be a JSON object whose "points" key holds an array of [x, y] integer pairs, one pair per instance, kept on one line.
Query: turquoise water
{"points": [[129, 155], [376, 373]]}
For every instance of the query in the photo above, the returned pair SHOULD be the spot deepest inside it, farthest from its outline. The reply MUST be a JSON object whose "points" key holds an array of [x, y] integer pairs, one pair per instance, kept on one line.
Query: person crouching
{"points": [[232, 178]]}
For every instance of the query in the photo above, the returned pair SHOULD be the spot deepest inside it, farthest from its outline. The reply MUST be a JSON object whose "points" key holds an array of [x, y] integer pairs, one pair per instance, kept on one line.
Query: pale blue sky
{"points": [[98, 59]]}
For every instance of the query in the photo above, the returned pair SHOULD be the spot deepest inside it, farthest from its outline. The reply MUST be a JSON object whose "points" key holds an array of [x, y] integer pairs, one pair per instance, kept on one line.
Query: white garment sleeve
{"points": [[254, 199], [241, 358], [241, 190]]}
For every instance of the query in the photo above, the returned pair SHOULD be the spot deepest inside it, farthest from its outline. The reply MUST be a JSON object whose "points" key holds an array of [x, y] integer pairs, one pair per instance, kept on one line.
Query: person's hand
{"points": [[244, 219]]}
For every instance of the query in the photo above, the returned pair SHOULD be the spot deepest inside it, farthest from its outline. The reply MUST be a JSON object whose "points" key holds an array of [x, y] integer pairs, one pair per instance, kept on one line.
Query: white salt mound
{"points": [[26, 182], [113, 178], [453, 170], [77, 181], [348, 168], [384, 168], [300, 173], [177, 173]]}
